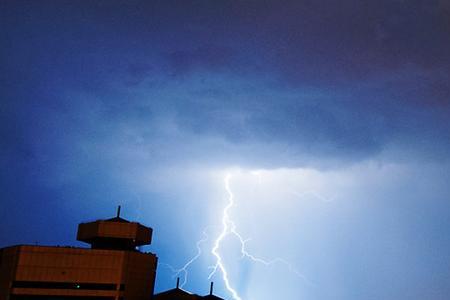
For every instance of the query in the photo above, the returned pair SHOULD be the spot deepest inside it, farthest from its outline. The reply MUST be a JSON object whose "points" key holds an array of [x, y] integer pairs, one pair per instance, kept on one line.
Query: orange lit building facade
{"points": [[111, 270]]}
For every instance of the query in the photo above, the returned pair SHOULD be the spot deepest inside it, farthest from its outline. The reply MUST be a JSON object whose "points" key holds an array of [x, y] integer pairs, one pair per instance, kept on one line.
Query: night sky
{"points": [[332, 119]]}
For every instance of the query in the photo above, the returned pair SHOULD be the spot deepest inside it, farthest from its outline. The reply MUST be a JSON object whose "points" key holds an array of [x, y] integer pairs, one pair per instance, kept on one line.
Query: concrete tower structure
{"points": [[112, 269]]}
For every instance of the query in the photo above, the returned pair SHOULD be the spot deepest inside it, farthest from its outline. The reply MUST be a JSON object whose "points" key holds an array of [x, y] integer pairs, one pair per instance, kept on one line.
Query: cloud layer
{"points": [[148, 103]]}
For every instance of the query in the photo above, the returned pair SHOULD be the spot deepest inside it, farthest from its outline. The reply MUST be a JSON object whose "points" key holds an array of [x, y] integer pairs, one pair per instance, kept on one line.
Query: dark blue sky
{"points": [[331, 116]]}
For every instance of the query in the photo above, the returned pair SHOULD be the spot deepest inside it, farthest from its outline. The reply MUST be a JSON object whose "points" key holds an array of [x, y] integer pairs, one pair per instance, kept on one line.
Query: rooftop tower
{"points": [[114, 234]]}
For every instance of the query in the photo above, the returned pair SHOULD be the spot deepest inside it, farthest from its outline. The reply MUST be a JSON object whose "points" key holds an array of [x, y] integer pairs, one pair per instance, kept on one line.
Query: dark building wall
{"points": [[63, 271], [8, 262], [139, 272]]}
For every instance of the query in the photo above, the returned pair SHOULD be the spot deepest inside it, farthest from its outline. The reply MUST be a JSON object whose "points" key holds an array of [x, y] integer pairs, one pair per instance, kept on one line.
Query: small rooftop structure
{"points": [[114, 234], [211, 296], [179, 294]]}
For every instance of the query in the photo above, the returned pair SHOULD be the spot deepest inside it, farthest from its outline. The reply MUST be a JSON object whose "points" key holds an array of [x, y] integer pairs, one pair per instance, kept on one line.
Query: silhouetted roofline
{"points": [[177, 290], [117, 219], [212, 297]]}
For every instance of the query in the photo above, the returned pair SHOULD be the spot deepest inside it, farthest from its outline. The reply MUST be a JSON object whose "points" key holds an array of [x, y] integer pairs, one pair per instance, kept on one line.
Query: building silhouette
{"points": [[179, 294], [111, 269]]}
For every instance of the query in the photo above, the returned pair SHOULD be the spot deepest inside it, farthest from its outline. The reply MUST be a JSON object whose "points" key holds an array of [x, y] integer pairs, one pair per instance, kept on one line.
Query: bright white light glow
{"points": [[288, 213], [229, 227]]}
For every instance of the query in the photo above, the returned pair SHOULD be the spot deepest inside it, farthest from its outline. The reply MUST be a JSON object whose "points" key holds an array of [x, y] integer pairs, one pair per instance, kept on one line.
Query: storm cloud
{"points": [[107, 101]]}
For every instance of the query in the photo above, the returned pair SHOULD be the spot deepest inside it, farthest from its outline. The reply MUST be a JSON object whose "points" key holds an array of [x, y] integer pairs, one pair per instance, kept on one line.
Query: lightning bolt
{"points": [[229, 228], [184, 269]]}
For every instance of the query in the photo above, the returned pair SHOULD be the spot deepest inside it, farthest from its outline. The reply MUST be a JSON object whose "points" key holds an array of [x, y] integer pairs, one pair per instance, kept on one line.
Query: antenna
{"points": [[118, 211], [178, 282], [211, 288]]}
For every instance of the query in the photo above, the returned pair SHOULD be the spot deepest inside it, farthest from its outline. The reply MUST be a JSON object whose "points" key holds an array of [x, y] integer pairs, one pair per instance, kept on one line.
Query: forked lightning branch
{"points": [[229, 229]]}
